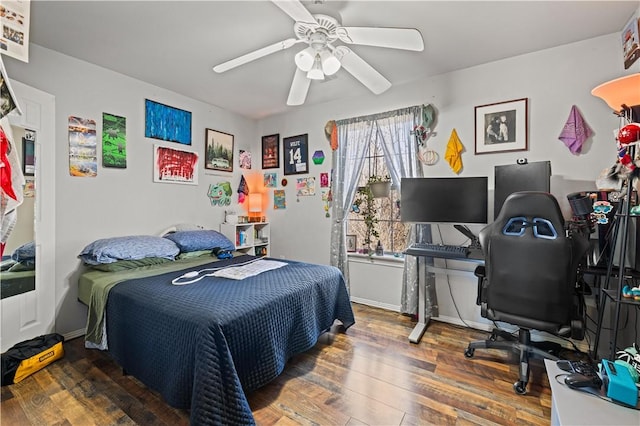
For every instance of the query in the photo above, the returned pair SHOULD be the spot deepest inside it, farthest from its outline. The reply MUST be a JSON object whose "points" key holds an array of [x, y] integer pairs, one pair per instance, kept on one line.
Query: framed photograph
{"points": [[352, 243], [218, 154], [502, 127], [631, 41], [271, 151], [172, 165], [166, 123], [296, 154]]}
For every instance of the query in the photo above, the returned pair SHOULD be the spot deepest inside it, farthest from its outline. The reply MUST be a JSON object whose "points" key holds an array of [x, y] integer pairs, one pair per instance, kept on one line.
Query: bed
{"points": [[204, 344]]}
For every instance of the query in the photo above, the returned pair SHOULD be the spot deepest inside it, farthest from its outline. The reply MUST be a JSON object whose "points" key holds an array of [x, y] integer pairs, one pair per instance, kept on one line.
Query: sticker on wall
{"points": [[318, 157], [244, 159], [114, 141], [279, 200], [172, 165], [270, 180], [324, 180], [220, 194], [83, 160]]}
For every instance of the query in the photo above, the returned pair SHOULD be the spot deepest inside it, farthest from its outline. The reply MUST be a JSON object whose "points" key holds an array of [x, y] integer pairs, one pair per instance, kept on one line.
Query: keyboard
{"points": [[580, 367], [438, 250]]}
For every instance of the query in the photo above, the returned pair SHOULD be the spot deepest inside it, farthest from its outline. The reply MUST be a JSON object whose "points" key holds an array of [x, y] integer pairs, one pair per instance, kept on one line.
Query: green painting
{"points": [[114, 141]]}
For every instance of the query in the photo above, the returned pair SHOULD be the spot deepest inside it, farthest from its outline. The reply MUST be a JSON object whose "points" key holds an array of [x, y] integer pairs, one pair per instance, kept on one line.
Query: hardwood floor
{"points": [[369, 375]]}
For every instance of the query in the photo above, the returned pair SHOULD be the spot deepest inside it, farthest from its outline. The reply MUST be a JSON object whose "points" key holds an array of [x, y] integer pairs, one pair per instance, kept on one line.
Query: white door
{"points": [[32, 314]]}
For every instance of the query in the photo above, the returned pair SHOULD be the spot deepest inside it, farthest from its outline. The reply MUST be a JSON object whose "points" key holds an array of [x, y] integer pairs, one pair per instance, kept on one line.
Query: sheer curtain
{"points": [[347, 161], [394, 132], [400, 148]]}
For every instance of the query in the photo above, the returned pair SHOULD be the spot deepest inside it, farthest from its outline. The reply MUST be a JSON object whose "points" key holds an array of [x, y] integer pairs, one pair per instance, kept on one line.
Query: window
{"points": [[385, 219]]}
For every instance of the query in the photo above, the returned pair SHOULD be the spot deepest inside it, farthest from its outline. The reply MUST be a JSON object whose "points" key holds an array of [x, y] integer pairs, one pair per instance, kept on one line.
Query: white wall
{"points": [[121, 202], [118, 201]]}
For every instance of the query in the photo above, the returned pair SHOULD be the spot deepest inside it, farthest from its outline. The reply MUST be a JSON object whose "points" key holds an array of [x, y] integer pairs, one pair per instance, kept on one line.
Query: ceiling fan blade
{"points": [[364, 72], [256, 54], [296, 10], [394, 38], [299, 88]]}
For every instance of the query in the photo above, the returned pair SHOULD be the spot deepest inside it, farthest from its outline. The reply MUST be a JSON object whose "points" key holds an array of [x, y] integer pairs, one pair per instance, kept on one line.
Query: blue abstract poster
{"points": [[167, 123]]}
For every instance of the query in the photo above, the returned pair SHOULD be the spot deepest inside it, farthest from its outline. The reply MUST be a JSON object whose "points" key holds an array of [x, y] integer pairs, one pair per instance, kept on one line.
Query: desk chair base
{"points": [[521, 345]]}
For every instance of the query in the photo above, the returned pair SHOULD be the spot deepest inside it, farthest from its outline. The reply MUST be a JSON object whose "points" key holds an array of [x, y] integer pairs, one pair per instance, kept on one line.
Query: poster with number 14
{"points": [[296, 155]]}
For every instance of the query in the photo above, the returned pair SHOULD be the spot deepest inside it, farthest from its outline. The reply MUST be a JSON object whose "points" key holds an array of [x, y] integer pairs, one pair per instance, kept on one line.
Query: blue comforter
{"points": [[204, 344]]}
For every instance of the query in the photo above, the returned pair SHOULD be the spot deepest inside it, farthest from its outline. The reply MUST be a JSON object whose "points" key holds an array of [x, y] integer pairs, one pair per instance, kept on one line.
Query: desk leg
{"points": [[423, 319]]}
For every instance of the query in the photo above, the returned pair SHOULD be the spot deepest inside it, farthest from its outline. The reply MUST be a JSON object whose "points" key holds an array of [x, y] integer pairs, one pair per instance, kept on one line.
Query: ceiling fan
{"points": [[321, 58]]}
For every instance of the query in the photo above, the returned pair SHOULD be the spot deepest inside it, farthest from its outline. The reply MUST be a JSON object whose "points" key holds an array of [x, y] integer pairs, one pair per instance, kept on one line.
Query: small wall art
{"points": [[244, 159], [306, 186], [279, 199], [220, 194], [29, 153], [218, 154], [501, 127], [352, 243], [172, 165], [270, 180], [167, 123], [271, 151], [83, 161], [296, 154], [114, 141]]}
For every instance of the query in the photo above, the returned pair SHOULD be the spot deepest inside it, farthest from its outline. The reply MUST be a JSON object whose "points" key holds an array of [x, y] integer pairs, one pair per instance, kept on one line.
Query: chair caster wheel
{"points": [[520, 387], [469, 352]]}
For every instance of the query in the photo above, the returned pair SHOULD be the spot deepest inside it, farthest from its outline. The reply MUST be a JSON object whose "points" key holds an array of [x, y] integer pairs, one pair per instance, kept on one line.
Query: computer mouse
{"points": [[577, 380]]}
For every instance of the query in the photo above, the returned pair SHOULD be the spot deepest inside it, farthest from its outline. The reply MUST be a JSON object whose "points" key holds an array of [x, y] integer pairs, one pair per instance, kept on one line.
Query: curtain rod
{"points": [[380, 115]]}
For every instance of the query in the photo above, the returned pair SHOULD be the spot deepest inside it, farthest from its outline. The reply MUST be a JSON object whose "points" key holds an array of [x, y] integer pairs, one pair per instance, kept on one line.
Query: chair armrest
{"points": [[480, 272]]}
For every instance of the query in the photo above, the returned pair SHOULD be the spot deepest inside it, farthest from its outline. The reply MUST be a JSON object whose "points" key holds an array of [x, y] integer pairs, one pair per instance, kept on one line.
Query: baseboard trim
{"points": [[376, 304], [73, 334]]}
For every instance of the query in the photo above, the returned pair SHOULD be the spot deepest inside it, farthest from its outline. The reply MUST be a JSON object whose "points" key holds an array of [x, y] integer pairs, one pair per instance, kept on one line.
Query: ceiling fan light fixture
{"points": [[316, 73], [330, 63], [305, 59]]}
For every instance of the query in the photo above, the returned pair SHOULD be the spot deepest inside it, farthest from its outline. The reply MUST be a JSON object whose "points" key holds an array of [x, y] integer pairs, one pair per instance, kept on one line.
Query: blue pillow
{"points": [[25, 252], [110, 250], [189, 241]]}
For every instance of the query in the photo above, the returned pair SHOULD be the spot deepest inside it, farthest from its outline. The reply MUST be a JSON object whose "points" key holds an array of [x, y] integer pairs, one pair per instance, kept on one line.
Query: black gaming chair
{"points": [[529, 279]]}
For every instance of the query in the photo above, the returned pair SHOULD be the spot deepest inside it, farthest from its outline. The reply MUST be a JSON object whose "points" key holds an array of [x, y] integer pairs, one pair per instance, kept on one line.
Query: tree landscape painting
{"points": [[114, 141]]}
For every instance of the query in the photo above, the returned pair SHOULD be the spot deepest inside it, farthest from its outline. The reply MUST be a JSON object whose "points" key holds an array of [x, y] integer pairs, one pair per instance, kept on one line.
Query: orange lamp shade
{"points": [[620, 93], [255, 203]]}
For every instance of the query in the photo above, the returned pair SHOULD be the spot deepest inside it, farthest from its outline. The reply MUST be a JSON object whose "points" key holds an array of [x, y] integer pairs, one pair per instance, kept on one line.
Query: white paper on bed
{"points": [[249, 270]]}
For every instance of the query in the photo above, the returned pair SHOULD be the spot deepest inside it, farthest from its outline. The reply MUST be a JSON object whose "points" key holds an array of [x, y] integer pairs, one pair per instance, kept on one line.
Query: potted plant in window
{"points": [[364, 204], [379, 185]]}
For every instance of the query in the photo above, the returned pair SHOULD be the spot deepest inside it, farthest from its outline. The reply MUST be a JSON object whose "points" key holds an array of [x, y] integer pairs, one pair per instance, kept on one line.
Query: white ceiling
{"points": [[175, 44]]}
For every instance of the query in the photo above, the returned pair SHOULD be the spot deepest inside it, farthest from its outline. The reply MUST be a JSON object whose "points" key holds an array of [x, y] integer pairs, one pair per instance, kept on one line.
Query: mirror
{"points": [[19, 277]]}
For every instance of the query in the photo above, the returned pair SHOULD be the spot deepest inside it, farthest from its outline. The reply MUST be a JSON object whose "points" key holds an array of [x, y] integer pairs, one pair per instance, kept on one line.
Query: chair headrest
{"points": [[532, 204]]}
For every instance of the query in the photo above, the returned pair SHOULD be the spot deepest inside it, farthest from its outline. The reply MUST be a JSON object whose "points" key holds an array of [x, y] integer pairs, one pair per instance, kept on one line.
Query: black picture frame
{"points": [[295, 154], [271, 151], [218, 151], [502, 127]]}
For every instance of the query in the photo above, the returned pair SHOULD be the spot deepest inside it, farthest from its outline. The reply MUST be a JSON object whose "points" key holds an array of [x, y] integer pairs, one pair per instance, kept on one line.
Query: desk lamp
{"points": [[623, 96]]}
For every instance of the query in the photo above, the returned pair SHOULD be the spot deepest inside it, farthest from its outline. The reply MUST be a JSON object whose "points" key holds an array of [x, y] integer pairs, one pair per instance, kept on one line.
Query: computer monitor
{"points": [[444, 200], [512, 178]]}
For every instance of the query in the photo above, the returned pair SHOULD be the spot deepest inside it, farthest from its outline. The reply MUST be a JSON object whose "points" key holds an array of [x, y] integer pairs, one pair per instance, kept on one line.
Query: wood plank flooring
{"points": [[370, 375]]}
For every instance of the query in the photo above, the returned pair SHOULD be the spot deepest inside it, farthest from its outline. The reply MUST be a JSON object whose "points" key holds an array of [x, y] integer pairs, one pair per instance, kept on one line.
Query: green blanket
{"points": [[94, 287]]}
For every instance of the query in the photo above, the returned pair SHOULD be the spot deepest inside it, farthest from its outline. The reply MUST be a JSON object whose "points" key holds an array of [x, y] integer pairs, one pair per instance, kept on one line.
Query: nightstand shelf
{"points": [[249, 238]]}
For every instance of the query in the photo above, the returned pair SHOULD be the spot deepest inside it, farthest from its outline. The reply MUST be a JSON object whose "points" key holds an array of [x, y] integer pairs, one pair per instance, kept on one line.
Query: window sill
{"points": [[365, 258]]}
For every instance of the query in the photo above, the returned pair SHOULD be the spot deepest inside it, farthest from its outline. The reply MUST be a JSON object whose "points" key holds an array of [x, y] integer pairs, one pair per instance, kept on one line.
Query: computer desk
{"points": [[573, 407], [475, 255]]}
